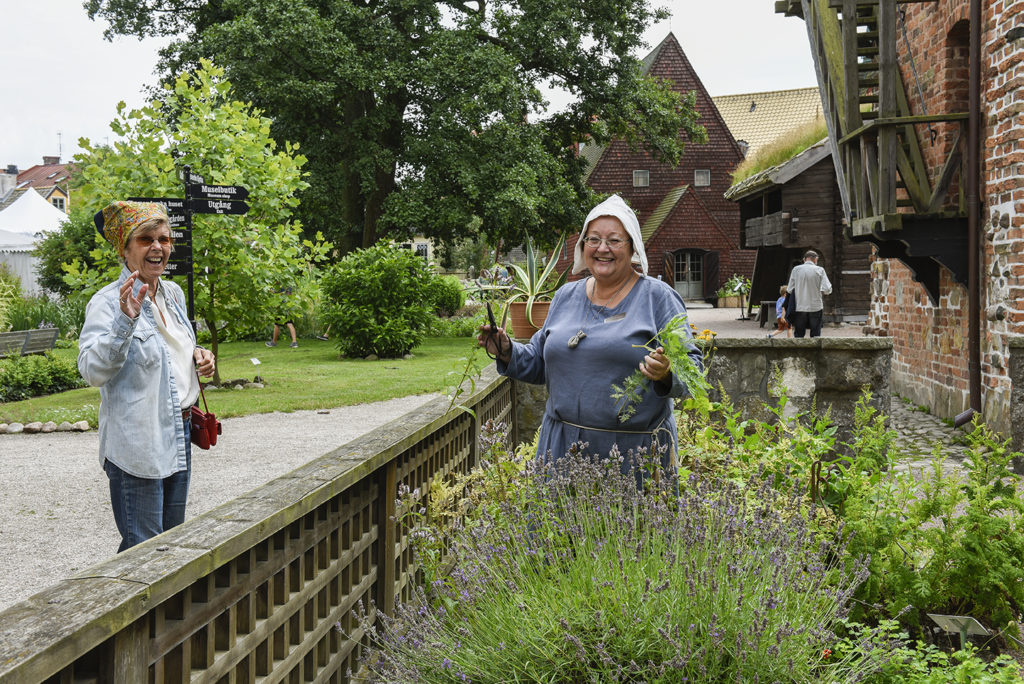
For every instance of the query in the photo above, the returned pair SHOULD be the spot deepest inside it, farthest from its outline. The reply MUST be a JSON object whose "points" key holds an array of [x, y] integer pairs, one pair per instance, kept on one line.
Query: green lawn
{"points": [[310, 377]]}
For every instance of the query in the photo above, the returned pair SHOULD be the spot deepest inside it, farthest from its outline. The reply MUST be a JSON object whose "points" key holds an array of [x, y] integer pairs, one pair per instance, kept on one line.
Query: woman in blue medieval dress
{"points": [[586, 346]]}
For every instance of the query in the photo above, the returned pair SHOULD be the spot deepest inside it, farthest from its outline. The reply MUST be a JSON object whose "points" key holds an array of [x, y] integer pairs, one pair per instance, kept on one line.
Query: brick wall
{"points": [[929, 341]]}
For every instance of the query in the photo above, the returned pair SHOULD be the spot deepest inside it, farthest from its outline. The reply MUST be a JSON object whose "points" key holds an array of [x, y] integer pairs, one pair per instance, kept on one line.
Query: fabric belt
{"points": [[597, 429], [673, 456]]}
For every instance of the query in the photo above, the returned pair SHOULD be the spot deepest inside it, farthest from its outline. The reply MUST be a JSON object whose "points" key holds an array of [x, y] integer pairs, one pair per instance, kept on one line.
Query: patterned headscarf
{"points": [[117, 221]]}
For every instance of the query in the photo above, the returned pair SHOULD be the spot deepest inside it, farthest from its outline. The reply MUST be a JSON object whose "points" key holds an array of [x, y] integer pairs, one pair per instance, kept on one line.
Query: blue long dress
{"points": [[579, 406]]}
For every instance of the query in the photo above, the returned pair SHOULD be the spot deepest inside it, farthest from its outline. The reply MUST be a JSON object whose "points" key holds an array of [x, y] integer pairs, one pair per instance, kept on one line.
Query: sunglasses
{"points": [[148, 240]]}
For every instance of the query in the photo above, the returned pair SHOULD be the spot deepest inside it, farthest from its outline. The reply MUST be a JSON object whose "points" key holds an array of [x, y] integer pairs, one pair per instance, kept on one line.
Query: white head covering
{"points": [[617, 207]]}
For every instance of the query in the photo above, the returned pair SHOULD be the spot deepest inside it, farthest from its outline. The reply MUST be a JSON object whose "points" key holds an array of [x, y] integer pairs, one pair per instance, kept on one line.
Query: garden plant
{"points": [[571, 572], [782, 556]]}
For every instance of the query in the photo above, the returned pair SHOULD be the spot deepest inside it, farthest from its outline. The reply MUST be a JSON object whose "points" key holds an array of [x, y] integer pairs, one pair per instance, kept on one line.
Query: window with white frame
{"points": [[58, 202], [702, 178], [641, 178]]}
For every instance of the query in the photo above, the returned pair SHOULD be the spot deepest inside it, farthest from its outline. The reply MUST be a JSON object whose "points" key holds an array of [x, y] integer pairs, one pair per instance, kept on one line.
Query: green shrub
{"points": [[377, 301], [74, 239], [39, 311], [22, 377], [10, 287], [447, 295], [920, 663], [458, 326], [938, 542]]}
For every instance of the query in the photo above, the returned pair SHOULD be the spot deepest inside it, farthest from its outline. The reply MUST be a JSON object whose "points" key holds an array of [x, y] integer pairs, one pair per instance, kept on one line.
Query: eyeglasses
{"points": [[148, 240], [613, 243]]}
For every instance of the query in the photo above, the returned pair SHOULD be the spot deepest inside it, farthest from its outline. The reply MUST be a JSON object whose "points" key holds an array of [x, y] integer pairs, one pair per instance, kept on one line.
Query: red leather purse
{"points": [[205, 426]]}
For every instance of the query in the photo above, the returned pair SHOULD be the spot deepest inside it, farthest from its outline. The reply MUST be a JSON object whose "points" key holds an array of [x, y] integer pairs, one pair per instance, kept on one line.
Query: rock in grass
{"points": [[48, 427], [64, 426], [33, 427], [81, 426], [15, 429]]}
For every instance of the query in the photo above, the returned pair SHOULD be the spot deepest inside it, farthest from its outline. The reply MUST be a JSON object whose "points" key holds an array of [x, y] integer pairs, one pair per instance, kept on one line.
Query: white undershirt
{"points": [[180, 345]]}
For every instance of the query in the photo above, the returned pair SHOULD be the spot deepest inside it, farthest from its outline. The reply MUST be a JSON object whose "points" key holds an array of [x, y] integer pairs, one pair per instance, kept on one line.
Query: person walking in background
{"points": [[808, 282], [138, 347], [781, 324], [284, 317]]}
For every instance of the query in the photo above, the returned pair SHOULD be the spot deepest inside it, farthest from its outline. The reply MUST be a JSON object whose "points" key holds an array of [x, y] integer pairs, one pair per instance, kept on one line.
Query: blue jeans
{"points": [[143, 508]]}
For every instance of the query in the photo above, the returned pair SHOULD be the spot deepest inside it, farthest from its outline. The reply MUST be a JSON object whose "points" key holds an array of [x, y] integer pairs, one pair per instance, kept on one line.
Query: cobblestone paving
{"points": [[919, 433]]}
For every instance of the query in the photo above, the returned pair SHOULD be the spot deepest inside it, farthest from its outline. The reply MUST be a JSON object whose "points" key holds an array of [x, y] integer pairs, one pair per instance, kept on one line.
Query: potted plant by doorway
{"points": [[533, 286]]}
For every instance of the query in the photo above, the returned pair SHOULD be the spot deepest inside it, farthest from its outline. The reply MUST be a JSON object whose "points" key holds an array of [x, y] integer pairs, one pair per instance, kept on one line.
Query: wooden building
{"points": [[795, 206]]}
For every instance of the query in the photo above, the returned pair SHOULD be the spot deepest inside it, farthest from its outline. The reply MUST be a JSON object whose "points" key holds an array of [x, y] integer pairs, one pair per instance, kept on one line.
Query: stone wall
{"points": [[823, 373]]}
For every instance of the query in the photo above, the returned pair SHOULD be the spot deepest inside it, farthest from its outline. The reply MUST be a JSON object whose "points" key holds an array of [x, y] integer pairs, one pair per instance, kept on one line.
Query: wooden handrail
{"points": [[256, 587], [890, 121]]}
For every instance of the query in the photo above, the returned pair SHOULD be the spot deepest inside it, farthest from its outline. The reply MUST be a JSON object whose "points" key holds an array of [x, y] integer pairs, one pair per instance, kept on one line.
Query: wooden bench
{"points": [[22, 342]]}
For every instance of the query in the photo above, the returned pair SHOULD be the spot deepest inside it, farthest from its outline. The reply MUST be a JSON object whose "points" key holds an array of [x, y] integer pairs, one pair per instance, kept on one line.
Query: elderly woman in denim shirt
{"points": [[138, 347]]}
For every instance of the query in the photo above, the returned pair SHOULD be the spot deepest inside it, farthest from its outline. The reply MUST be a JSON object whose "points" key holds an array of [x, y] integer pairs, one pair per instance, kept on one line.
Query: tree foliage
{"points": [[74, 240], [241, 263], [419, 115]]}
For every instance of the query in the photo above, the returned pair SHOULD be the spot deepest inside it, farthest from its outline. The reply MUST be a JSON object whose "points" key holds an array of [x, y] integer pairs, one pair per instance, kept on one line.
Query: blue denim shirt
{"points": [[141, 431]]}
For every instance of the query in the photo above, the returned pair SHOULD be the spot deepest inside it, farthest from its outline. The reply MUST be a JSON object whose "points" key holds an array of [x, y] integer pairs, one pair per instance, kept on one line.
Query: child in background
{"points": [[781, 324]]}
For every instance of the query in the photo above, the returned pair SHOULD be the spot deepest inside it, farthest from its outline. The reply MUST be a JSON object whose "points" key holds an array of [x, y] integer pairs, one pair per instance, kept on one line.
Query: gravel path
{"points": [[55, 517]]}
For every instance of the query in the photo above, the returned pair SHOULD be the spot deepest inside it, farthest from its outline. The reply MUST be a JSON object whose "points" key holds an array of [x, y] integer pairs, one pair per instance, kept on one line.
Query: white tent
{"points": [[16, 253], [31, 214]]}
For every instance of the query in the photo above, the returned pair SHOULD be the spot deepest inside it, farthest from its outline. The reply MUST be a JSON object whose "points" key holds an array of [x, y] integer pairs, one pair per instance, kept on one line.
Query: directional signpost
{"points": [[200, 198]]}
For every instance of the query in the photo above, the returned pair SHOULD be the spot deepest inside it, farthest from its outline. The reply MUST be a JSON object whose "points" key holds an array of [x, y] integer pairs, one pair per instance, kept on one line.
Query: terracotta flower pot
{"points": [[521, 327]]}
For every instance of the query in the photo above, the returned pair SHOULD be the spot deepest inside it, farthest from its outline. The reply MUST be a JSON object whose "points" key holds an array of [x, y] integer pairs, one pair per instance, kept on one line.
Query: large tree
{"points": [[417, 115], [241, 263]]}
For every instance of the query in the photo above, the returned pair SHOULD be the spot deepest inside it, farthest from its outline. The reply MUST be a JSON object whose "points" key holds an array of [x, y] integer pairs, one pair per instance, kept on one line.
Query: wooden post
{"points": [[387, 490], [888, 105], [129, 656]]}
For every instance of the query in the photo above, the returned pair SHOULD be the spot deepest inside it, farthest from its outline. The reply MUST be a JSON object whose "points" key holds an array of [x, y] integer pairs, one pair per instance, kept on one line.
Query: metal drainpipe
{"points": [[973, 217]]}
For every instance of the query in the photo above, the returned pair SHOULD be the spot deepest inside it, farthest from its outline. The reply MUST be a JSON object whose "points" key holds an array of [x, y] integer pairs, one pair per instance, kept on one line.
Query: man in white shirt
{"points": [[808, 283]]}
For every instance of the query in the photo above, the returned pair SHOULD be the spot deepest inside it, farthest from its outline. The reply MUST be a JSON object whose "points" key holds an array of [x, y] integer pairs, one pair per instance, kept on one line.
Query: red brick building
{"points": [[691, 232], [915, 208]]}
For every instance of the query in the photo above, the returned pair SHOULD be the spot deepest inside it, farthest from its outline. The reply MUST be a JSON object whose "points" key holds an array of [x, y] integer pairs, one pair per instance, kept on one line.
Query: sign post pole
{"points": [[188, 225]]}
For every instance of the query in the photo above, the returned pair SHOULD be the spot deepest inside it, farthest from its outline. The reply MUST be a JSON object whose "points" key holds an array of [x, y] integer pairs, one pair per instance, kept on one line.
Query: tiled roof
{"points": [[45, 175], [661, 212], [760, 118]]}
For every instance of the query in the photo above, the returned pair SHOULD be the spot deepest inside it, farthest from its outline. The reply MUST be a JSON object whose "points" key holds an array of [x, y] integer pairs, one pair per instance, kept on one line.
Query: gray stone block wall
{"points": [[1016, 407], [821, 373]]}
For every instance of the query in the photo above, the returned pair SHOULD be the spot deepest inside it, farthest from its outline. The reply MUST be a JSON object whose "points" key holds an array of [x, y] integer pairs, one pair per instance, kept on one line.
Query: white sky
{"points": [[60, 77]]}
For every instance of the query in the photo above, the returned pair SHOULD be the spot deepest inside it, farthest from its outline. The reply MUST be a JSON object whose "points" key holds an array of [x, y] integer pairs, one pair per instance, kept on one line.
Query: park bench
{"points": [[22, 342]]}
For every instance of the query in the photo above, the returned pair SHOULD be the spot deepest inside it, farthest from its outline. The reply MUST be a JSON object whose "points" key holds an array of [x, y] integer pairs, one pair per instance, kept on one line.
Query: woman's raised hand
{"points": [[130, 304]]}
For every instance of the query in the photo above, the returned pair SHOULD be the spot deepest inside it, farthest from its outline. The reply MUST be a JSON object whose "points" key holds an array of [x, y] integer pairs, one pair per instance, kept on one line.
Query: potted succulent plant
{"points": [[533, 286]]}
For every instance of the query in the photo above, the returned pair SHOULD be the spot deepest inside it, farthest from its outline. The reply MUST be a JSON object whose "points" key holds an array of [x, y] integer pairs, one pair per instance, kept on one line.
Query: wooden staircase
{"points": [[886, 191]]}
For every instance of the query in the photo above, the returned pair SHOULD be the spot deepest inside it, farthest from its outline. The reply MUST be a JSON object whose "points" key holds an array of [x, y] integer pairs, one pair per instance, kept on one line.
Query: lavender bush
{"points": [[582, 577]]}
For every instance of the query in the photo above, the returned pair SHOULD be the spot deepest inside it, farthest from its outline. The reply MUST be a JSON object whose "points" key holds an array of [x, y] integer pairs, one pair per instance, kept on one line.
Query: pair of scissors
{"points": [[492, 335]]}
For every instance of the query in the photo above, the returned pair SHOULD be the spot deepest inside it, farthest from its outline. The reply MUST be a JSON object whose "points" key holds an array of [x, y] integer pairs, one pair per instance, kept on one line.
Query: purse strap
{"points": [[206, 408]]}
